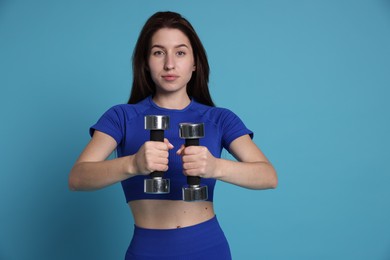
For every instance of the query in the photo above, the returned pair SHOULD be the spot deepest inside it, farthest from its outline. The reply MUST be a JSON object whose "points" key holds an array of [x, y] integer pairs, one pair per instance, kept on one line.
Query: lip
{"points": [[170, 77]]}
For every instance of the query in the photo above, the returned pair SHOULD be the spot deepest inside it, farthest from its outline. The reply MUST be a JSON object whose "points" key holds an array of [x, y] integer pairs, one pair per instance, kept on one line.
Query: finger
{"points": [[190, 150], [194, 150], [189, 166], [162, 146], [155, 145], [157, 164], [190, 158], [192, 172], [160, 167], [181, 149], [161, 161], [170, 146], [161, 156]]}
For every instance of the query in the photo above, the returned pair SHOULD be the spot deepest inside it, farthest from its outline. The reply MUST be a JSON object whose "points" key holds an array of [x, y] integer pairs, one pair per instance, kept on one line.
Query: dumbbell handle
{"points": [[192, 180], [158, 136]]}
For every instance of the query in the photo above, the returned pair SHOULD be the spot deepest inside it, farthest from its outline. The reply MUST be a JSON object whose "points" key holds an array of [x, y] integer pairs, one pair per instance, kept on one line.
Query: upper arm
{"points": [[245, 150], [99, 148]]}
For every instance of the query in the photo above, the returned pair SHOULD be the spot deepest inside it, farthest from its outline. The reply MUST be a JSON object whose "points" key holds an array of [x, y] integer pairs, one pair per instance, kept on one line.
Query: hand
{"points": [[153, 156], [198, 161]]}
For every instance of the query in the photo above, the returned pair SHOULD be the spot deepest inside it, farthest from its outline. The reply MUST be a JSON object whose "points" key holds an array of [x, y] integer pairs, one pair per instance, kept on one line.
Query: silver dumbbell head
{"points": [[156, 186], [191, 131], [156, 122], [195, 193]]}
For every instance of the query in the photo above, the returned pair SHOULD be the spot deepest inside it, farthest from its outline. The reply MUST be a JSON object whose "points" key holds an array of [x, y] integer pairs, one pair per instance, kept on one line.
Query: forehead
{"points": [[169, 37]]}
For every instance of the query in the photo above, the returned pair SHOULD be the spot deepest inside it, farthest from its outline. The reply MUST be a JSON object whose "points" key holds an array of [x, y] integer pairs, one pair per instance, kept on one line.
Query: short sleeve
{"points": [[232, 128], [111, 123]]}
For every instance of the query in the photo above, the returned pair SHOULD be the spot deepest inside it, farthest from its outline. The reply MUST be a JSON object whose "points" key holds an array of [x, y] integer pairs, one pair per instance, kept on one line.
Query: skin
{"points": [[171, 64]]}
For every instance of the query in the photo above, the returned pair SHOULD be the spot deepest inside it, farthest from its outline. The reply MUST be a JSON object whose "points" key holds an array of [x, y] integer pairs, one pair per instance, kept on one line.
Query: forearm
{"points": [[96, 175], [251, 175]]}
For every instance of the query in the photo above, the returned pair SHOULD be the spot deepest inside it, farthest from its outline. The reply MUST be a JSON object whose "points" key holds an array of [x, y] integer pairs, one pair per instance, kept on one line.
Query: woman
{"points": [[170, 77]]}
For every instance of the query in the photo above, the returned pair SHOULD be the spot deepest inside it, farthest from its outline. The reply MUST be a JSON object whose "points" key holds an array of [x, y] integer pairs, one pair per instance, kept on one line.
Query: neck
{"points": [[172, 101]]}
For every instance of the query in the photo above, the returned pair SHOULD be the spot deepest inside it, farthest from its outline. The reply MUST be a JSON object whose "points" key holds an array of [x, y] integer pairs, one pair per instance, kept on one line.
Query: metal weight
{"points": [[157, 124], [194, 190]]}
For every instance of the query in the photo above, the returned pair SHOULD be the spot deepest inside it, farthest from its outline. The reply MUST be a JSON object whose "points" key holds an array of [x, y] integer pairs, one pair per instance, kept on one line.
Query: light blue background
{"points": [[310, 78]]}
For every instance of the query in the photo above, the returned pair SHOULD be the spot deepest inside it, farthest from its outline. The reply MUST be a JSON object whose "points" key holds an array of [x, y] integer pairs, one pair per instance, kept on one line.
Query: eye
{"points": [[158, 53], [180, 53]]}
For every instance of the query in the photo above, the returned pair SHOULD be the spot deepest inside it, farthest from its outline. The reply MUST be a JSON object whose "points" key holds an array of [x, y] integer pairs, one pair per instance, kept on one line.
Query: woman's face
{"points": [[171, 61]]}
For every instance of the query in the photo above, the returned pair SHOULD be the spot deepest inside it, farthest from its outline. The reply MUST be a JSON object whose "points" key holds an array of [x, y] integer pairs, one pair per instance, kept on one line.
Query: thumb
{"points": [[181, 149], [170, 146]]}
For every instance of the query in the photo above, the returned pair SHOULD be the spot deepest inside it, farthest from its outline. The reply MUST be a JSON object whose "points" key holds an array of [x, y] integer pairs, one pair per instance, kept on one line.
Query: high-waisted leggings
{"points": [[202, 241]]}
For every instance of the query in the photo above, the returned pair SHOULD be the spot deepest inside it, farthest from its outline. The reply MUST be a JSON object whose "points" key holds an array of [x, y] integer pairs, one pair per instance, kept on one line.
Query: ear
{"points": [[194, 68]]}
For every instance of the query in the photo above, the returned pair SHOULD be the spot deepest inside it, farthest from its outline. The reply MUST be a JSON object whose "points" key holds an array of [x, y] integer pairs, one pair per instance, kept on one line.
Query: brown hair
{"points": [[143, 85]]}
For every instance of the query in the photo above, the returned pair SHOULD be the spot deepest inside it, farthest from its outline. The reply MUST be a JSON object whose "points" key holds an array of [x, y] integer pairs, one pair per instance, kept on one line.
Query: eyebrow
{"points": [[177, 46]]}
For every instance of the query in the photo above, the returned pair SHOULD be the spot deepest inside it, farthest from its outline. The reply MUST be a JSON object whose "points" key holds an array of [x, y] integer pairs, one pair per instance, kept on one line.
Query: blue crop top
{"points": [[125, 123]]}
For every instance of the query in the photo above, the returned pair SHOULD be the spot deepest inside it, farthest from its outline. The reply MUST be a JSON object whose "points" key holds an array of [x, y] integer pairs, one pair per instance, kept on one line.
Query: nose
{"points": [[169, 62]]}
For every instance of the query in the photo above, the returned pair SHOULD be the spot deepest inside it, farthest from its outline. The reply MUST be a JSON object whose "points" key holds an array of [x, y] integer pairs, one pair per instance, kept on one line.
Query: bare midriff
{"points": [[170, 214]]}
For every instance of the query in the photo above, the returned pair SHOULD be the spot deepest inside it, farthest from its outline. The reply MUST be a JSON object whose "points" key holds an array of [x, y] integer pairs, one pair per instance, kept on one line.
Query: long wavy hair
{"points": [[143, 85]]}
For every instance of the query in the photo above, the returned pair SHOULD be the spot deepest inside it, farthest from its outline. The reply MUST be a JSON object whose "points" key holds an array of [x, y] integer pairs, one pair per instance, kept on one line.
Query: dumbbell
{"points": [[194, 190], [156, 124]]}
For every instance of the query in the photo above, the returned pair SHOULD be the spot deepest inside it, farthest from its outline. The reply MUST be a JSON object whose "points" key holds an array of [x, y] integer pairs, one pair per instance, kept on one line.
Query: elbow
{"points": [[274, 183], [270, 178], [73, 182], [268, 183], [274, 180]]}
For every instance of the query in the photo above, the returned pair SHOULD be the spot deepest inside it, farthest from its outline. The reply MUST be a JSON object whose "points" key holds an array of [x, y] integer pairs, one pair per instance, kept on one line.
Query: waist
{"points": [[170, 214], [205, 240]]}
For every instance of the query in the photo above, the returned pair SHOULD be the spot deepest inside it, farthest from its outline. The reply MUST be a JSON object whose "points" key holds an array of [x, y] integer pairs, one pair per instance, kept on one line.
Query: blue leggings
{"points": [[203, 241]]}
